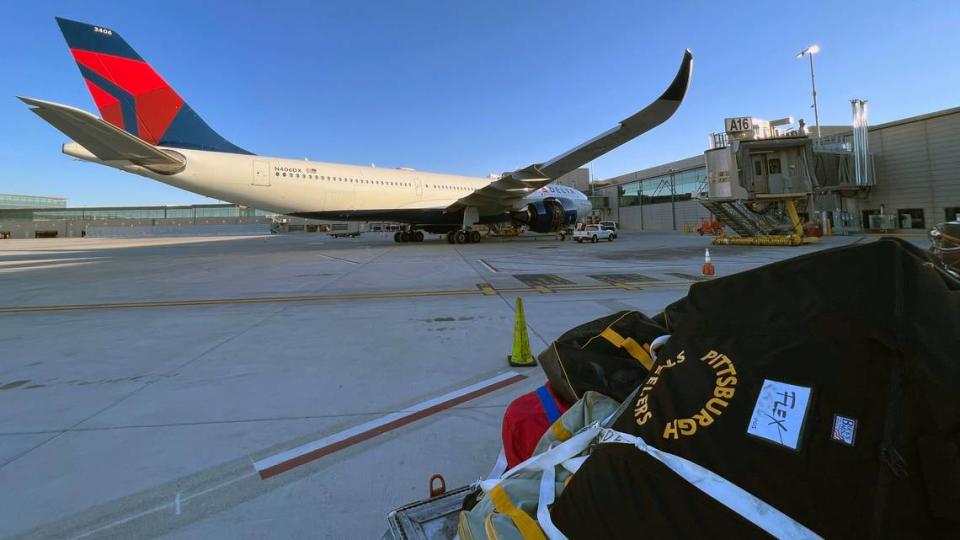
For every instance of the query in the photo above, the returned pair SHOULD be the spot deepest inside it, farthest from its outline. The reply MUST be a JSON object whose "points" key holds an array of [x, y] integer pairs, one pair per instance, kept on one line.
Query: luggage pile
{"points": [[817, 397]]}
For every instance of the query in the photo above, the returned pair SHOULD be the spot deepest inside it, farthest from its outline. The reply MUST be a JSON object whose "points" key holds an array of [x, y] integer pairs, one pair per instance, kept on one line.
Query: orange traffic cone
{"points": [[708, 269]]}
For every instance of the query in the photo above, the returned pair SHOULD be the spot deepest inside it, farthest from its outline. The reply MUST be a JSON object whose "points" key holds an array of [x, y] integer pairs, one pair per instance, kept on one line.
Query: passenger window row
{"points": [[344, 179], [451, 188], [364, 181]]}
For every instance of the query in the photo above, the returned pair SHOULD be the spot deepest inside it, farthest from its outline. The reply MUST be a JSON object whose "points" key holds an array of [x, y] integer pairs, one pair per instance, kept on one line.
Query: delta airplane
{"points": [[148, 129]]}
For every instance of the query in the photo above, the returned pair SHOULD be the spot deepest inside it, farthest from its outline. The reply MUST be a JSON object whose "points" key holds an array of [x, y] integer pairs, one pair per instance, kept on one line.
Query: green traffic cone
{"points": [[521, 357]]}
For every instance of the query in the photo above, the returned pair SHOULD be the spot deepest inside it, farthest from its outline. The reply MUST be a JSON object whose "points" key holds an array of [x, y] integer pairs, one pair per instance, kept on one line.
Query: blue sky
{"points": [[469, 87]]}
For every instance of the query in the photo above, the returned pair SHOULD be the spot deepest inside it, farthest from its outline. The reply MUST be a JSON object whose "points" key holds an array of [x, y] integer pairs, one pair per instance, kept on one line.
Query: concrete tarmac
{"points": [[142, 378]]}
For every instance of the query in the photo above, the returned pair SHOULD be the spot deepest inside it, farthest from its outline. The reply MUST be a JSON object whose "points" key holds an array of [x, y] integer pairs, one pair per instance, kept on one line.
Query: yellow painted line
{"points": [[650, 285], [484, 290]]}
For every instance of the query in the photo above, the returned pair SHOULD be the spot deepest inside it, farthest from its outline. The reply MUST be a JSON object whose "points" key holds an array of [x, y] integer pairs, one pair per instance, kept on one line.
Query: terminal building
{"points": [[10, 200], [35, 221], [909, 177]]}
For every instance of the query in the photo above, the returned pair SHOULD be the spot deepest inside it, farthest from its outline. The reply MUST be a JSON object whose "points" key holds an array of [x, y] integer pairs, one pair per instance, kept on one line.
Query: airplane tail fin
{"points": [[132, 96]]}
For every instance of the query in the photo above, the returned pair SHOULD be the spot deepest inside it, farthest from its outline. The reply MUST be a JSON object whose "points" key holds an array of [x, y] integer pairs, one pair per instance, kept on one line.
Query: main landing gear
{"points": [[408, 236], [463, 236]]}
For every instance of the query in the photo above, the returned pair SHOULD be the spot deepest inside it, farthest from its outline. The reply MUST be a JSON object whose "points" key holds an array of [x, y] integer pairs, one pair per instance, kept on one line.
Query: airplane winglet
{"points": [[678, 88]]}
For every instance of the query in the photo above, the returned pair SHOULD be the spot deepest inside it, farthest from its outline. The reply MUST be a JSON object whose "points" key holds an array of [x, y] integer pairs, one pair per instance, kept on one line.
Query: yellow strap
{"points": [[559, 431], [463, 527], [633, 348], [528, 528], [566, 378], [489, 528]]}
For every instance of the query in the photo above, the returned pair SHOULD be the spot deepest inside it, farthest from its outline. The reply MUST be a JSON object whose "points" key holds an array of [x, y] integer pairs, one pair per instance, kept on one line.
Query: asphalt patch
{"points": [[622, 279], [542, 280]]}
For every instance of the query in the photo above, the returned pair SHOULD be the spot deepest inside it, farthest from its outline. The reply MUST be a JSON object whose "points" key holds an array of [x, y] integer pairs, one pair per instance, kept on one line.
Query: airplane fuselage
{"points": [[330, 190]]}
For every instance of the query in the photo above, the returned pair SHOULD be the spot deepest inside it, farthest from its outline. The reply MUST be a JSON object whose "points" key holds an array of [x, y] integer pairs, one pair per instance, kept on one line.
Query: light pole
{"points": [[810, 51]]}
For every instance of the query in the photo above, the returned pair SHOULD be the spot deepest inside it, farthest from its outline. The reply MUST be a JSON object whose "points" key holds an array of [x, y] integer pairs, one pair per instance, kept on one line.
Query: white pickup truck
{"points": [[594, 233]]}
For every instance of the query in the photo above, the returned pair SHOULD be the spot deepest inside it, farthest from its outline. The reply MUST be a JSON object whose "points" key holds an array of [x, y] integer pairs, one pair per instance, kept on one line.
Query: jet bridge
{"points": [[770, 183]]}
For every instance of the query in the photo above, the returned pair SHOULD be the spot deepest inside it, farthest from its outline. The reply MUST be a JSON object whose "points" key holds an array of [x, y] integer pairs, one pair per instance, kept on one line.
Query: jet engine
{"points": [[548, 215]]}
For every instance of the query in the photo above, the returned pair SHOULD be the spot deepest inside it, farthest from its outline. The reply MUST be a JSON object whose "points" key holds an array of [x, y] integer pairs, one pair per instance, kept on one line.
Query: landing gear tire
{"points": [[418, 236], [460, 237], [404, 237], [396, 237], [594, 239], [450, 237], [474, 237]]}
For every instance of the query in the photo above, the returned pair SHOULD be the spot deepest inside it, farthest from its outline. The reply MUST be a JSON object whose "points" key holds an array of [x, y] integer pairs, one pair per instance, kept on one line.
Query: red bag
{"points": [[526, 419]]}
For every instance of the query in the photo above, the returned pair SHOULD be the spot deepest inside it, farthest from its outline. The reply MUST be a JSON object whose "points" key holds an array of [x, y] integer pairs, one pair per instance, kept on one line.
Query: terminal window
{"points": [[910, 218], [952, 213], [774, 166]]}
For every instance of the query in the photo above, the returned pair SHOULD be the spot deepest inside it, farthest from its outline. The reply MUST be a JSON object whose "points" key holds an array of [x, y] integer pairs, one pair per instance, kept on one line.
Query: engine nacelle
{"points": [[548, 215]]}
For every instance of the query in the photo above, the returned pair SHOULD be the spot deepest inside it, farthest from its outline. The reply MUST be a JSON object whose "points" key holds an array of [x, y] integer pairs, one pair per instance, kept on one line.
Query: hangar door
{"points": [[261, 173]]}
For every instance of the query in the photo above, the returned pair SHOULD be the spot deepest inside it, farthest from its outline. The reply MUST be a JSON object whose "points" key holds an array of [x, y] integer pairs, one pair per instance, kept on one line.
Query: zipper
{"points": [[895, 466], [894, 461]]}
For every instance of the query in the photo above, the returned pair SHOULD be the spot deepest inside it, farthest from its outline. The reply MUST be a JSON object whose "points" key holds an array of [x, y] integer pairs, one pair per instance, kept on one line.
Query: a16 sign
{"points": [[740, 123]]}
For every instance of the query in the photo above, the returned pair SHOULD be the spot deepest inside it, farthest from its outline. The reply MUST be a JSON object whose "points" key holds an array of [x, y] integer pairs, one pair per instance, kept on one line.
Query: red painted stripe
{"points": [[400, 422], [134, 76], [108, 105]]}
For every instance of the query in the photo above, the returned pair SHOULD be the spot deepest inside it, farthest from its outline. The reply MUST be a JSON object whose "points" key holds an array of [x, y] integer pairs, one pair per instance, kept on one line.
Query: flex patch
{"points": [[779, 413]]}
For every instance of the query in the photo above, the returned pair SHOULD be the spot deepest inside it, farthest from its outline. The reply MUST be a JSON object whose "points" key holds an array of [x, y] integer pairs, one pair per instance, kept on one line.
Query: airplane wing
{"points": [[104, 140], [517, 184]]}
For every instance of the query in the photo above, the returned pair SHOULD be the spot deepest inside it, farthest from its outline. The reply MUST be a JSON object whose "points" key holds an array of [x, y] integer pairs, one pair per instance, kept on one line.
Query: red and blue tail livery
{"points": [[132, 96]]}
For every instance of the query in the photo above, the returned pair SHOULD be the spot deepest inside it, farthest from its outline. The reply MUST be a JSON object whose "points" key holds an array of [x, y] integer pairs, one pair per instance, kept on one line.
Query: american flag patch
{"points": [[844, 430]]}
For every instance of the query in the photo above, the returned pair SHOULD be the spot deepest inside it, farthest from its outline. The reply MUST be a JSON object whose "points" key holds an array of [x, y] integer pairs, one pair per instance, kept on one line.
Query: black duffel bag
{"points": [[610, 355], [826, 386]]}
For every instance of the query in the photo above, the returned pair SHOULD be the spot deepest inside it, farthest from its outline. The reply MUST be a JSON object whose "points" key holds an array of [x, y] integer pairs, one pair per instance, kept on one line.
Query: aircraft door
{"points": [[261, 173], [419, 186], [774, 174], [760, 174]]}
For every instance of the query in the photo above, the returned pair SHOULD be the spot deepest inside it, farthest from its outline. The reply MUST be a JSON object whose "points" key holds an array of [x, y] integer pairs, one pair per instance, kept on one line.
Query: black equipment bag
{"points": [[827, 385], [610, 355]]}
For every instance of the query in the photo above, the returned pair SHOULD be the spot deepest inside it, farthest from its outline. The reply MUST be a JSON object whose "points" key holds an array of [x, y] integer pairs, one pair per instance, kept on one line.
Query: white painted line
{"points": [[155, 509], [284, 461], [178, 503], [488, 266], [43, 267], [45, 261]]}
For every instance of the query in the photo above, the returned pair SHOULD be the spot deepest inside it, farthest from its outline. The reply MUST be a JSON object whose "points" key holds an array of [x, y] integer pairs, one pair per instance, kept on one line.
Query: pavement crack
{"points": [[138, 390]]}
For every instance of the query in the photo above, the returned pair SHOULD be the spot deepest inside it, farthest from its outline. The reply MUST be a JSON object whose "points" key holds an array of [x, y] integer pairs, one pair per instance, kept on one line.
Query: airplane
{"points": [[149, 130]]}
